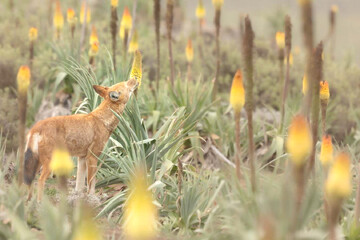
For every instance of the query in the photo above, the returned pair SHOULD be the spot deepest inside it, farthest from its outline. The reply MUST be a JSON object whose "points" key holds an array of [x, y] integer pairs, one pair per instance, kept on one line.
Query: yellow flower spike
{"points": [[200, 10], [299, 141], [122, 32], [114, 3], [93, 37], [324, 90], [61, 163], [82, 13], [33, 34], [218, 4], [338, 184], [189, 51], [134, 43], [94, 49], [87, 229], [305, 85], [304, 2], [280, 39], [126, 20], [326, 152], [334, 8], [71, 19], [237, 92], [291, 59], [136, 69], [23, 79], [58, 17], [140, 214]]}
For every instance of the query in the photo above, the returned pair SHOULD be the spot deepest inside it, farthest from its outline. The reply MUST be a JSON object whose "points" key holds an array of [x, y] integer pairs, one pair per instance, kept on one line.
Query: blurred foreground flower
{"points": [[338, 184], [136, 69], [140, 214], [326, 153], [134, 43], [61, 163], [299, 141], [58, 20], [87, 229]]}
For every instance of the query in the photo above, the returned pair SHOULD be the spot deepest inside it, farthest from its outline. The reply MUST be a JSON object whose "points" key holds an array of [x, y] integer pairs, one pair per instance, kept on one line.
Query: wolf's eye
{"points": [[114, 96]]}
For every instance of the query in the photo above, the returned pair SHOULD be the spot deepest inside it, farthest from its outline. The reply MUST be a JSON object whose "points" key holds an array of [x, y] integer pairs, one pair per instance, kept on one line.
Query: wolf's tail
{"points": [[31, 163]]}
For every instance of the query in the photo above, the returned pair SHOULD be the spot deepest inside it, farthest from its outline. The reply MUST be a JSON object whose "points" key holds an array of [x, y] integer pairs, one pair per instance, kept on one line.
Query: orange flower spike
{"points": [[338, 184], [33, 34], [324, 91], [126, 20], [299, 141], [23, 79], [200, 10], [237, 93], [334, 8], [280, 39], [326, 153], [82, 13], [58, 17], [71, 19], [189, 51], [93, 37]]}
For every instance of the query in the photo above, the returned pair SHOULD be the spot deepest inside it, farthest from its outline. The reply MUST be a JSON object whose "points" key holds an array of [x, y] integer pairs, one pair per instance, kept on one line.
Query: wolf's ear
{"points": [[102, 91]]}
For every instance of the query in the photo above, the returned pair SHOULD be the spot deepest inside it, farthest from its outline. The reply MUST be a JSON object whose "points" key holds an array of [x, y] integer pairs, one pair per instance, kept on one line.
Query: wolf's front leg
{"points": [[91, 177], [81, 174]]}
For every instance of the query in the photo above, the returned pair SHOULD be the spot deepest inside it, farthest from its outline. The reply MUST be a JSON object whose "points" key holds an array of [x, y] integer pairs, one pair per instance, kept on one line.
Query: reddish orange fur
{"points": [[84, 135]]}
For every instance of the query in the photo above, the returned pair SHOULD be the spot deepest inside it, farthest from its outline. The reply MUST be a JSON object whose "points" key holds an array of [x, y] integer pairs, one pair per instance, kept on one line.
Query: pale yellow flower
{"points": [[134, 43], [280, 39], [136, 69], [82, 13], [324, 90], [33, 34], [189, 51], [61, 163], [58, 16], [23, 79], [200, 10], [326, 152], [71, 18]]}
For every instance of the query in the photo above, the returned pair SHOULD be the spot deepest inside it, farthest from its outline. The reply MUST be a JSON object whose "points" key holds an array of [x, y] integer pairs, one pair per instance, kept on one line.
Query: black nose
{"points": [[114, 95]]}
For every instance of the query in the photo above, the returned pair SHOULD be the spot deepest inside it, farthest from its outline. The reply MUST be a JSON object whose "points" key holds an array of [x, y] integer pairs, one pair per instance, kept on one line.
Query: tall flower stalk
{"points": [[157, 13], [113, 29], [317, 78], [308, 36], [288, 63], [237, 101], [332, 34], [217, 20], [33, 35], [248, 44], [23, 82], [169, 26], [280, 42]]}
